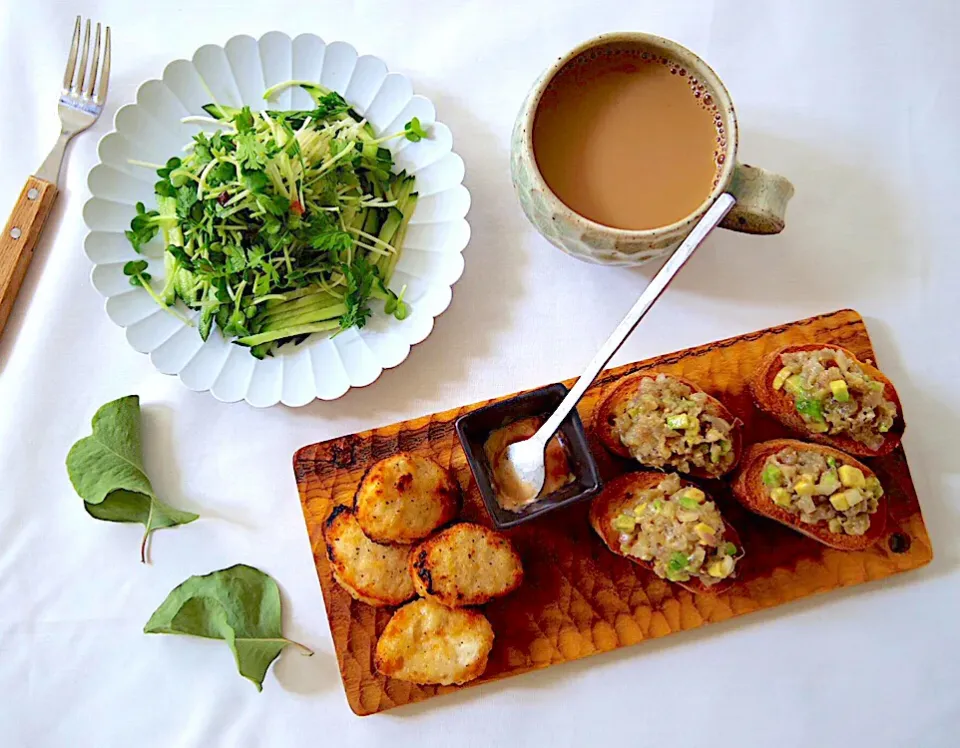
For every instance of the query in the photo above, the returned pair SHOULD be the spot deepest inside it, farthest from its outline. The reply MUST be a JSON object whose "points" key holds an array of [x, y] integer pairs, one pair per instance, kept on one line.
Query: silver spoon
{"points": [[526, 458]]}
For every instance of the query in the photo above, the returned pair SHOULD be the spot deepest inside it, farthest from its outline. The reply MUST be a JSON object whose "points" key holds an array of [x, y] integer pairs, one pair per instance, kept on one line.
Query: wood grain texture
{"points": [[19, 239], [578, 599]]}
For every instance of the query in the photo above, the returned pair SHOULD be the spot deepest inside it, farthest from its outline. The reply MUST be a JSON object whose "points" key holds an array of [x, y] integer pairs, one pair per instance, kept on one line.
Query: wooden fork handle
{"points": [[19, 239]]}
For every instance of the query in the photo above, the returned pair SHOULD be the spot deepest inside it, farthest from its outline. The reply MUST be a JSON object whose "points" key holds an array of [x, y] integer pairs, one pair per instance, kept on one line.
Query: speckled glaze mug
{"points": [[761, 196]]}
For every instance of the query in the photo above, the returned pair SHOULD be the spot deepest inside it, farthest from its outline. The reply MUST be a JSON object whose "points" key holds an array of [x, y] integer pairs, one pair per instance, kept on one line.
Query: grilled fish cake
{"points": [[465, 564], [404, 498], [428, 643], [372, 573]]}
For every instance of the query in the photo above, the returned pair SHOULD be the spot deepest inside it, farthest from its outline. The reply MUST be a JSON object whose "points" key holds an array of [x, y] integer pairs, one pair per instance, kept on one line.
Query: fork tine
{"points": [[105, 70], [94, 62], [83, 57], [72, 58]]}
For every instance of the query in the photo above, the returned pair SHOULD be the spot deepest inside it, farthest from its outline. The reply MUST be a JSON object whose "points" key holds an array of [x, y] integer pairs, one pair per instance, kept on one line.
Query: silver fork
{"points": [[81, 101]]}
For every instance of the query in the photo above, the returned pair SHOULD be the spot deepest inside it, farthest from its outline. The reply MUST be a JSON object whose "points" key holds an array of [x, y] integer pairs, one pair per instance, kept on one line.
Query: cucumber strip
{"points": [[372, 223], [300, 300], [292, 295], [278, 318], [221, 112], [304, 316], [289, 332], [391, 265], [390, 225], [170, 268]]}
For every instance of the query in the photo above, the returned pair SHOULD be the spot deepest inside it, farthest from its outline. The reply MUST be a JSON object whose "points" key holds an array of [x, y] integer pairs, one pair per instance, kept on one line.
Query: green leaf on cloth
{"points": [[106, 469], [240, 605]]}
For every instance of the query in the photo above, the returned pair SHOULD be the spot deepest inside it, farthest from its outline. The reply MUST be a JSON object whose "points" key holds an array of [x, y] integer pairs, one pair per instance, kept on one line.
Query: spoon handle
{"points": [[660, 281]]}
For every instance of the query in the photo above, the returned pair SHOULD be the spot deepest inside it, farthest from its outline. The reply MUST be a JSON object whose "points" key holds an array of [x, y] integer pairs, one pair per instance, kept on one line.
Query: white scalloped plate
{"points": [[237, 74]]}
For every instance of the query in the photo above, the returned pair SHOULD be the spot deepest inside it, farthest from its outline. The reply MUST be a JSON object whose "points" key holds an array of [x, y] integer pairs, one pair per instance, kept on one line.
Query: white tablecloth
{"points": [[856, 102]]}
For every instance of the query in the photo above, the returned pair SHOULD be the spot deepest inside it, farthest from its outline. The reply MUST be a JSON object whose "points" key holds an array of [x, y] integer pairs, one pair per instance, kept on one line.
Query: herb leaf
{"points": [[251, 152], [143, 227], [106, 469], [414, 131], [240, 605]]}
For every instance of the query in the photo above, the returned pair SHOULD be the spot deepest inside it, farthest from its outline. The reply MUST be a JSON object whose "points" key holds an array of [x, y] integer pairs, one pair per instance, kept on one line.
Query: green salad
{"points": [[280, 224]]}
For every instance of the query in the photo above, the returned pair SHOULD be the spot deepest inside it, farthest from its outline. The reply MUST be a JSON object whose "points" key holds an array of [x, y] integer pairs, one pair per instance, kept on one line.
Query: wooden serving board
{"points": [[578, 598]]}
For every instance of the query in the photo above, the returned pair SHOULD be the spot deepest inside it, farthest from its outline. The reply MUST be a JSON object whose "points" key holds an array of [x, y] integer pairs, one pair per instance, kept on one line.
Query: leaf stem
{"points": [[304, 649]]}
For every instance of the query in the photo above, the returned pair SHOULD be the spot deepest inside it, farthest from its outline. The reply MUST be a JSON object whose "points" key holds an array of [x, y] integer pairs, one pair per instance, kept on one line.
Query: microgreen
{"points": [[280, 224], [413, 131]]}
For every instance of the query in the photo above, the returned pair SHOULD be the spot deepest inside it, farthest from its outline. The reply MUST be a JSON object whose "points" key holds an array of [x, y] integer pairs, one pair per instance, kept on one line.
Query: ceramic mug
{"points": [[761, 196]]}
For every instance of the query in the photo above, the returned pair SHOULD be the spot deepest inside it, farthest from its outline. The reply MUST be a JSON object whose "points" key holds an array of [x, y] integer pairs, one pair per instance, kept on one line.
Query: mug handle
{"points": [[762, 198]]}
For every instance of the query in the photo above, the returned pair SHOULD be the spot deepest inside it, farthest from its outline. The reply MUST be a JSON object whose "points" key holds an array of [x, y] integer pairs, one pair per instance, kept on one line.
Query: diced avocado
{"points": [[793, 384], [687, 503], [730, 549], [873, 486], [811, 408], [715, 569], [649, 402], [623, 523], [883, 428], [832, 462], [840, 392], [781, 377], [851, 477], [829, 482], [803, 487], [853, 496], [781, 497], [657, 505], [835, 525], [696, 494], [839, 502], [705, 532], [678, 422], [678, 562], [772, 475]]}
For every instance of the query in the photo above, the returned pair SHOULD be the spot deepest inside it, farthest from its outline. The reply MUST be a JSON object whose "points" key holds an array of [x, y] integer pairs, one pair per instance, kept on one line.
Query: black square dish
{"points": [[474, 428]]}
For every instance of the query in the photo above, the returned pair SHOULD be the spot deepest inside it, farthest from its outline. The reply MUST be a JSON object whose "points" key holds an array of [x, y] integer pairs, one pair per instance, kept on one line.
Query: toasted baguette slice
{"points": [[374, 574], [466, 564], [620, 492], [605, 423], [426, 642], [749, 490], [780, 405]]}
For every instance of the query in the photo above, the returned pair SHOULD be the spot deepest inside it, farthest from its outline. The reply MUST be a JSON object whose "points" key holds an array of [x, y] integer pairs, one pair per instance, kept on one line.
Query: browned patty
{"points": [[404, 498], [425, 642], [465, 564], [372, 573]]}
